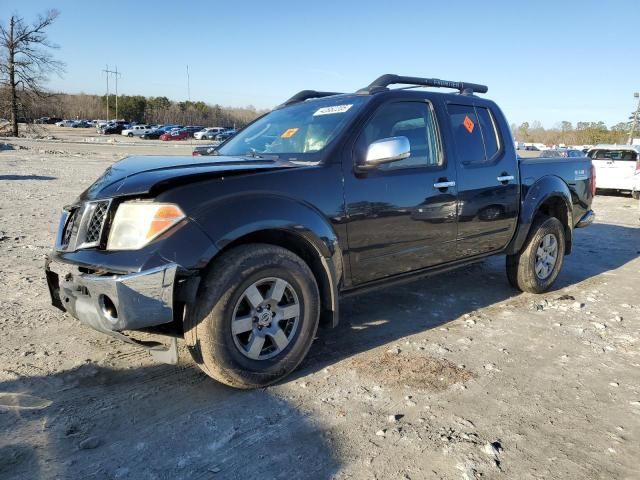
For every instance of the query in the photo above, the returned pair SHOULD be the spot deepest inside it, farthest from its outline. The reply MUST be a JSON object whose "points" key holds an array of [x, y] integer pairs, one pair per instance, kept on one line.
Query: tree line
{"points": [[141, 109], [583, 133]]}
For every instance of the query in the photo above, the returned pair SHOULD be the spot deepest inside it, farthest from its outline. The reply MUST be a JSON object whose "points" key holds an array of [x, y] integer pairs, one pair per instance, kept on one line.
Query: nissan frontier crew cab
{"points": [[243, 253]]}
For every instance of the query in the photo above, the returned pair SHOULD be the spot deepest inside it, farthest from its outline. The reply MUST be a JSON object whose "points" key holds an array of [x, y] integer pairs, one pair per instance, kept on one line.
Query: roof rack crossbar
{"points": [[305, 95], [384, 81]]}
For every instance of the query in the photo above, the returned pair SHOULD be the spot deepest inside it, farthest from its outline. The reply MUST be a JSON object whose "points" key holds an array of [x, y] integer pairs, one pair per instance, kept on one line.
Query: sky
{"points": [[544, 61]]}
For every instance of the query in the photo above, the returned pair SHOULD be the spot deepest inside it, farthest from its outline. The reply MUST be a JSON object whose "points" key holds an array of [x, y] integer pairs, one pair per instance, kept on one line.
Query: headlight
{"points": [[137, 223]]}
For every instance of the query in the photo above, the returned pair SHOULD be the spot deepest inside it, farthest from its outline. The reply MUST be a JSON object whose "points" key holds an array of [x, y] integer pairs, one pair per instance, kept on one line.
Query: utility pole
{"points": [[634, 120], [188, 93], [117, 75], [107, 71], [188, 85]]}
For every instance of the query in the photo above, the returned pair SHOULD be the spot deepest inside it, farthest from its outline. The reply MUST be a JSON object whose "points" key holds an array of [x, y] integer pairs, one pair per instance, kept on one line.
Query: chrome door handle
{"points": [[505, 178], [444, 184]]}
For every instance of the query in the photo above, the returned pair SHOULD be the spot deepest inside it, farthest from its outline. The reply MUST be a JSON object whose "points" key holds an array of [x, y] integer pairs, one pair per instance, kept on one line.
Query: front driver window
{"points": [[414, 120]]}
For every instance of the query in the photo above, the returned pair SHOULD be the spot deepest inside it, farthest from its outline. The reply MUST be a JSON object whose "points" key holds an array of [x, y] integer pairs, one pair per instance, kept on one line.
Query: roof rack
{"points": [[305, 95], [381, 84]]}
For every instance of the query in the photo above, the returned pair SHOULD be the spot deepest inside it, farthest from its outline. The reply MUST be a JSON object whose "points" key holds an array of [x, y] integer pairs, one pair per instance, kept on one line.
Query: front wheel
{"points": [[538, 264], [256, 316]]}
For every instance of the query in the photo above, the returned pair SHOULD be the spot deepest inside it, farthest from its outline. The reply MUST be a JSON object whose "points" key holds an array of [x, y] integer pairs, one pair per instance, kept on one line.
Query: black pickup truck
{"points": [[243, 253]]}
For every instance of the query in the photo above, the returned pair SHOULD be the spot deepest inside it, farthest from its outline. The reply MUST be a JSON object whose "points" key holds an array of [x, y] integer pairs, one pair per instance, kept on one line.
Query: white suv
{"points": [[617, 167], [137, 130]]}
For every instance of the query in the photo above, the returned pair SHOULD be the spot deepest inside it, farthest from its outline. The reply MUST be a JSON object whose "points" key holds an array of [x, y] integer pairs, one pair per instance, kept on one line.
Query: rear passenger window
{"points": [[475, 133], [489, 133]]}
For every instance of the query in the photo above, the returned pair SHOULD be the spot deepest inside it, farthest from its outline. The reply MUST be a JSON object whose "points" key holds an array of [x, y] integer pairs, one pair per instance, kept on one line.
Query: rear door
{"points": [[615, 168], [488, 179]]}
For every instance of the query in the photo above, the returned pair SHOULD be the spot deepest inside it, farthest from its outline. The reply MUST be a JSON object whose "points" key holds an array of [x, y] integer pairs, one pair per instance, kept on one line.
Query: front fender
{"points": [[231, 218], [533, 197]]}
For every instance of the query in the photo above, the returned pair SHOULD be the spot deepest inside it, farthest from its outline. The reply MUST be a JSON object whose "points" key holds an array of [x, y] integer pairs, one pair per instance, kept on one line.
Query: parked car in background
{"points": [[180, 134], [205, 150], [192, 129], [82, 124], [65, 123], [208, 133], [221, 137], [617, 167], [136, 130], [561, 153], [152, 135], [113, 129], [551, 154], [572, 153], [535, 147], [48, 120], [157, 132]]}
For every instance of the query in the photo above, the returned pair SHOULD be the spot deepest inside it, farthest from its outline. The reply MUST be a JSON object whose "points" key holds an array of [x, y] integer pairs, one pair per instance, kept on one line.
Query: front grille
{"points": [[94, 228], [70, 226], [83, 226]]}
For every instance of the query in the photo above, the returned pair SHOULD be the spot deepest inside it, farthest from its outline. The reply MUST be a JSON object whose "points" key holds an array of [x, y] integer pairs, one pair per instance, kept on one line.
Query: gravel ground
{"points": [[451, 377]]}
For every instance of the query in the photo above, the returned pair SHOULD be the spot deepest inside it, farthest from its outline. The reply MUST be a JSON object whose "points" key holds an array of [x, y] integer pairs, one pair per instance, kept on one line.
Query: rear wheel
{"points": [[129, 134], [538, 264], [256, 316]]}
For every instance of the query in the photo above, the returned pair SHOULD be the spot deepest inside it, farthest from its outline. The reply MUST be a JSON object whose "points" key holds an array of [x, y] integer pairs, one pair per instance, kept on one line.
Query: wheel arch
{"points": [[279, 220], [549, 196], [325, 270]]}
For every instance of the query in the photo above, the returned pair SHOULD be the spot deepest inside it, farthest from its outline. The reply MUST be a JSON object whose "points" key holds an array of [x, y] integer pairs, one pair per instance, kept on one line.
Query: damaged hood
{"points": [[143, 175]]}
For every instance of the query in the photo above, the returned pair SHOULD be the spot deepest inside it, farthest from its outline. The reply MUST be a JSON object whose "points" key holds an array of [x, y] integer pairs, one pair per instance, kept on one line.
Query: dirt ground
{"points": [[451, 377]]}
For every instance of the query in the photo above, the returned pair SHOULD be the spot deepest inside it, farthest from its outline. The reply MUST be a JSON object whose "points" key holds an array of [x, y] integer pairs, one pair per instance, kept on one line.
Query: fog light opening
{"points": [[109, 310]]}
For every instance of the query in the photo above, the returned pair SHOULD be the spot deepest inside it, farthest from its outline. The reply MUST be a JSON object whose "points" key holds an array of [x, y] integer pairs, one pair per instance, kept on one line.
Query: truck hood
{"points": [[144, 175]]}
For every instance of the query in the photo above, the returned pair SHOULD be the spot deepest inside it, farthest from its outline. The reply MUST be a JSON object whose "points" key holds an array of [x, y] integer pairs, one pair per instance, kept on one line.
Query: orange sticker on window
{"points": [[289, 133], [468, 124]]}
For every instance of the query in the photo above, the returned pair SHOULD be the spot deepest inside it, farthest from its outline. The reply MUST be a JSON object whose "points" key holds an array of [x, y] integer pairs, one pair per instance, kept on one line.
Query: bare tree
{"points": [[26, 60]]}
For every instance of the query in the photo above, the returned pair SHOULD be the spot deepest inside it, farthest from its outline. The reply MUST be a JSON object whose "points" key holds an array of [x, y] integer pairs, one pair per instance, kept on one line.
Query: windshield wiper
{"points": [[254, 154]]}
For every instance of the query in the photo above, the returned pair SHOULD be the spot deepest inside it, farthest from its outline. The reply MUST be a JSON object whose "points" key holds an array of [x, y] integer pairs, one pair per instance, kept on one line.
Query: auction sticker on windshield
{"points": [[289, 133], [332, 110]]}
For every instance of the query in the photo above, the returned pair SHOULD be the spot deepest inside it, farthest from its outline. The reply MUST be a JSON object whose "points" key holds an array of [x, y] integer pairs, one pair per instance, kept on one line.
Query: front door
{"points": [[401, 215], [488, 180]]}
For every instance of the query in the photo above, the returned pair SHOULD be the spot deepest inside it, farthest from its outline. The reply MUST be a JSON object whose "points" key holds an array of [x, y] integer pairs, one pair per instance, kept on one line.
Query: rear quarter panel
{"points": [[543, 178]]}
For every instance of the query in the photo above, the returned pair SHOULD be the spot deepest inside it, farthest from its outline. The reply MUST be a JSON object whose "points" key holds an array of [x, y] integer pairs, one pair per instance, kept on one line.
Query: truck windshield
{"points": [[298, 132]]}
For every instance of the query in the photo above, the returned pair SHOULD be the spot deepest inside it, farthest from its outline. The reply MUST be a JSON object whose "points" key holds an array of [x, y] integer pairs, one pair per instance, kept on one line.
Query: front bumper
{"points": [[112, 303]]}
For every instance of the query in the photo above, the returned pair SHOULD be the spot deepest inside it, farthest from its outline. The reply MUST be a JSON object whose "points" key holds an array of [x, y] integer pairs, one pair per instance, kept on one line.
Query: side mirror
{"points": [[386, 150]]}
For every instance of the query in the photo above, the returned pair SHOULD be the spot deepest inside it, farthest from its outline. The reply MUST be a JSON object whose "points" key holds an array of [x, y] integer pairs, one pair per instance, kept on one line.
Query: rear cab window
{"points": [[475, 134], [613, 154]]}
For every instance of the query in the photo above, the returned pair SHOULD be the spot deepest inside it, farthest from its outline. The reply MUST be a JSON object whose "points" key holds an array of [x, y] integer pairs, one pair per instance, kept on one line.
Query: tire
{"points": [[222, 297], [521, 267], [635, 194], [129, 134]]}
